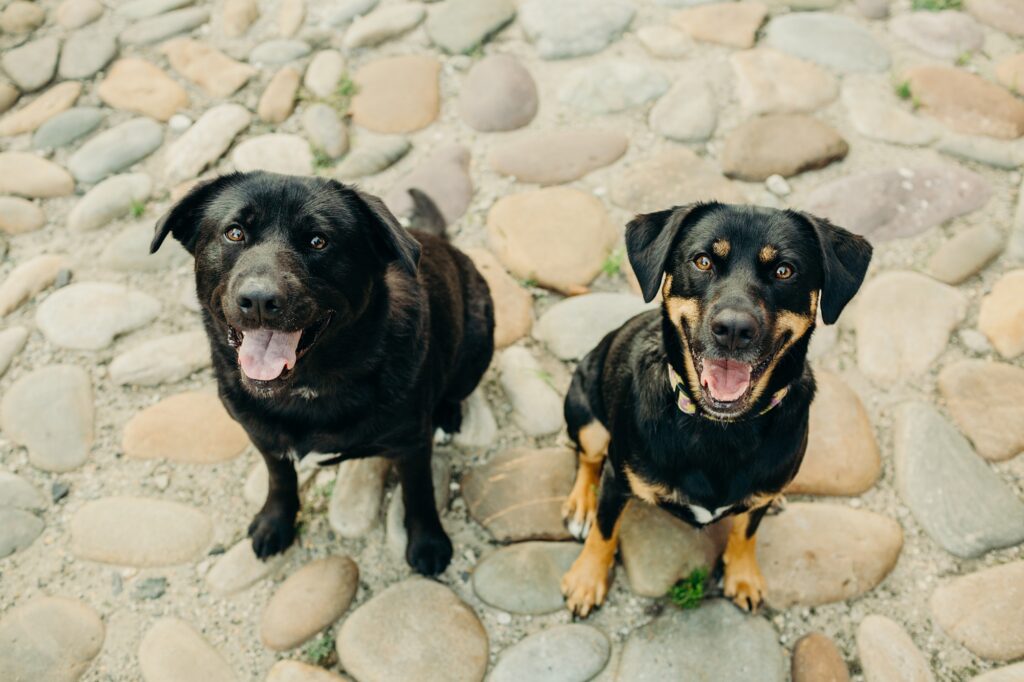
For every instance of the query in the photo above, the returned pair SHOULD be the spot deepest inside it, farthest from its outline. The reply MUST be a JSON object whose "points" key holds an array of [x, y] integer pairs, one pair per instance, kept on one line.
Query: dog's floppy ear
{"points": [[391, 239], [650, 236], [844, 261], [182, 220]]}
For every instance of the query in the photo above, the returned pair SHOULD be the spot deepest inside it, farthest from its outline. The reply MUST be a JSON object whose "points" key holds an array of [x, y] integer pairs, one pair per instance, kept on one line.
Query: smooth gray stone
{"points": [[66, 127], [953, 493], [831, 40], [116, 149], [163, 26], [714, 642]]}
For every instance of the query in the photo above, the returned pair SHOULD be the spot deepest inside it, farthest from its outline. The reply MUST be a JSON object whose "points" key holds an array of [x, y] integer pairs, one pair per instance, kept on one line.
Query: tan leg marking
{"points": [[744, 583], [580, 508], [586, 584]]}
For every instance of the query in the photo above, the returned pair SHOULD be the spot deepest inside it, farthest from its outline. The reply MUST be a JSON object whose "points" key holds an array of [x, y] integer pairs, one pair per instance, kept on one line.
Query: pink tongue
{"points": [[726, 380], [264, 353]]}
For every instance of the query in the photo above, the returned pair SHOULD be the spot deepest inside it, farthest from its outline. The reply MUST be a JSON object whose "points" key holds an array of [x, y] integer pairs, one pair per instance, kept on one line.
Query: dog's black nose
{"points": [[260, 301], [734, 329]]}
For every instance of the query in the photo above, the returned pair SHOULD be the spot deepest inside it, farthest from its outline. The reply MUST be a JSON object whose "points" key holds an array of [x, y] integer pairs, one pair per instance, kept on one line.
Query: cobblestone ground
{"points": [[539, 128]]}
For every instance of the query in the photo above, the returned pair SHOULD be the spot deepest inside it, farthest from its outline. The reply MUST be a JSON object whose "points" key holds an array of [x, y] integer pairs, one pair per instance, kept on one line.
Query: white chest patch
{"points": [[703, 516]]}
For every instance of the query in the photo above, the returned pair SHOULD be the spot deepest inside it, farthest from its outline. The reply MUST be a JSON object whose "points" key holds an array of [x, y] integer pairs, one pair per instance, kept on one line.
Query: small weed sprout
{"points": [[689, 592]]}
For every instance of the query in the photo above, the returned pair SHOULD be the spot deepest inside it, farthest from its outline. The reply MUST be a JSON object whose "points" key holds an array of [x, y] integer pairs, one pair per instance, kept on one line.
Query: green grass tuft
{"points": [[320, 651], [612, 265], [138, 208], [321, 161], [689, 592], [936, 5], [903, 90], [964, 58]]}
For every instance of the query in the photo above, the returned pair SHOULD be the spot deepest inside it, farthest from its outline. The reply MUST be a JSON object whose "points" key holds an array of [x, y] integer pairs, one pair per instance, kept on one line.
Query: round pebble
{"points": [[50, 412], [557, 236], [135, 531], [18, 216], [89, 315], [308, 601], [564, 653], [1001, 317], [49, 638], [414, 630], [173, 651], [498, 94], [518, 494], [189, 427], [525, 577], [557, 157]]}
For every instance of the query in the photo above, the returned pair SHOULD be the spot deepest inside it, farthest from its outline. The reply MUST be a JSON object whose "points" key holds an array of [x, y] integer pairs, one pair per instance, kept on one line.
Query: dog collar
{"points": [[687, 405]]}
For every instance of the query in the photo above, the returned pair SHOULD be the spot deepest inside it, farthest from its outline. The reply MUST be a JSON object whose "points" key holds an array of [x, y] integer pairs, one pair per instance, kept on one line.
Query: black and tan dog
{"points": [[702, 407], [334, 330]]}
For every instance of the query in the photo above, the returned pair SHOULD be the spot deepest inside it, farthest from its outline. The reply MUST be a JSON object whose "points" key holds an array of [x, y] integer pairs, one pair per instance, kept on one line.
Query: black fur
{"points": [[407, 333], [623, 383]]}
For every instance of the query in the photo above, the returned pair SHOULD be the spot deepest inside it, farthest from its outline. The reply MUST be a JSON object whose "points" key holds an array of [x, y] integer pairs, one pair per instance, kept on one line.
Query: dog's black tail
{"points": [[426, 216]]}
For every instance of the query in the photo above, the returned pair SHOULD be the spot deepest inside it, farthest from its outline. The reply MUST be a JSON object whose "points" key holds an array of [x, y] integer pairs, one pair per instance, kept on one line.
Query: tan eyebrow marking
{"points": [[721, 247], [767, 254]]}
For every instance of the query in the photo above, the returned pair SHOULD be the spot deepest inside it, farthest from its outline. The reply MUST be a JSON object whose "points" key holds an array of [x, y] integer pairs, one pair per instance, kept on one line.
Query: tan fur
{"points": [[580, 507], [721, 247], [586, 583], [651, 493], [798, 324], [767, 254], [743, 583]]}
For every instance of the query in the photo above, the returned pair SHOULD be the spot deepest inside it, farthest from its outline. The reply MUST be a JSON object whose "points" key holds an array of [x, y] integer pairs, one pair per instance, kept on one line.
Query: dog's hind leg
{"points": [[429, 551], [273, 529]]}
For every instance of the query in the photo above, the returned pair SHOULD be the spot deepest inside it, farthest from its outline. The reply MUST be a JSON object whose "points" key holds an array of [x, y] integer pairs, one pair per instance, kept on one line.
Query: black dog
{"points": [[702, 407], [334, 330]]}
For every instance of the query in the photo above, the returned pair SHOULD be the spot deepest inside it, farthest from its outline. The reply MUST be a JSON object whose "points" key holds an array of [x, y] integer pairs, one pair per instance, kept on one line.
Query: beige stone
{"points": [[32, 176], [414, 630], [136, 85], [308, 601], [296, 671], [842, 455], [773, 82], [965, 102], [820, 553], [28, 279], [986, 400], [671, 178], [513, 305], [173, 651], [780, 144], [189, 427], [982, 611], [887, 654], [238, 16], [817, 659], [732, 23], [212, 70], [397, 94], [18, 216], [557, 236], [278, 100], [518, 494], [1001, 317]]}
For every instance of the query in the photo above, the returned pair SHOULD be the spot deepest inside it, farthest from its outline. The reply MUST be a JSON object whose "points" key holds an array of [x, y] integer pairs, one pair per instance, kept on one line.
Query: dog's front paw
{"points": [[579, 511], [429, 551], [272, 532], [745, 585], [585, 585]]}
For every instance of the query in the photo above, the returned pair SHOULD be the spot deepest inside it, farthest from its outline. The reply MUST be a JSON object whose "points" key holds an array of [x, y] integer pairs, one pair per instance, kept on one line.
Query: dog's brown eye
{"points": [[318, 243], [702, 262], [784, 271], [234, 234]]}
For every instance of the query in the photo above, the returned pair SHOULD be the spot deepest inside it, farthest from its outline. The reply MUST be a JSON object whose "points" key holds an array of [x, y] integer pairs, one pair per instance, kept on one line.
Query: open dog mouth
{"points": [[727, 383], [271, 354]]}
